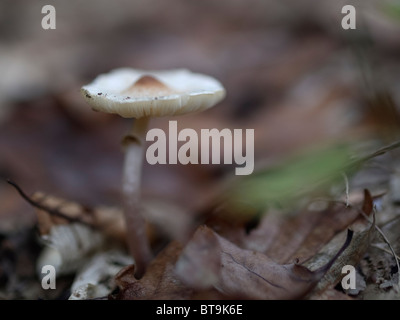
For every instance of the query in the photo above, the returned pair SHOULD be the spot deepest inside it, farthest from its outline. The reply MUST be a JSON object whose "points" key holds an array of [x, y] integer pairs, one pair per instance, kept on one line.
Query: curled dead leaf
{"points": [[368, 204], [96, 278], [108, 220], [68, 247], [159, 281], [243, 273], [351, 256], [162, 216], [72, 233], [285, 238]]}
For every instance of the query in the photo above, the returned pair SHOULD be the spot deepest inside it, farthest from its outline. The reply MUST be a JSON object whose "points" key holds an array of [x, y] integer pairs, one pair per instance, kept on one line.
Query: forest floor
{"points": [[320, 100]]}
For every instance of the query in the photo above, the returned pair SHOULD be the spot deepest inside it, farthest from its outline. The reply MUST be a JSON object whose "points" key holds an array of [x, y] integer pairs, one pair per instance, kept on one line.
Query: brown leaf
{"points": [[206, 250], [285, 238], [242, 273], [351, 256], [368, 204], [379, 265], [108, 220], [159, 281]]}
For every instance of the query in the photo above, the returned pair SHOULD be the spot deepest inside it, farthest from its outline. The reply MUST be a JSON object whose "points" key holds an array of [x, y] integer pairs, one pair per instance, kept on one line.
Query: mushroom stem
{"points": [[134, 152]]}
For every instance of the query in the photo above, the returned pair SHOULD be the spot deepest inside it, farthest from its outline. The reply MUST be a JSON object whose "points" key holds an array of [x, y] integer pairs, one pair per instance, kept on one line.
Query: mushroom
{"points": [[141, 94]]}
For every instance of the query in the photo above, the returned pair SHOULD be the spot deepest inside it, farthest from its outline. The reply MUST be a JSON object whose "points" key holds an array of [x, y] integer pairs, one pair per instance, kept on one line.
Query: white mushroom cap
{"points": [[133, 93]]}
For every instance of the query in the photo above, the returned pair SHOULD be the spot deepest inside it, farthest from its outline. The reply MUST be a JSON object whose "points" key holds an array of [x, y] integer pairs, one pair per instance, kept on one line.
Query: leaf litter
{"points": [[282, 257], [243, 273], [298, 104]]}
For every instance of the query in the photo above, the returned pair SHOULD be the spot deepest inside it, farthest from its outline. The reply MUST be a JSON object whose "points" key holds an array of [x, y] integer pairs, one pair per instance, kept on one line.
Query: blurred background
{"points": [[291, 73]]}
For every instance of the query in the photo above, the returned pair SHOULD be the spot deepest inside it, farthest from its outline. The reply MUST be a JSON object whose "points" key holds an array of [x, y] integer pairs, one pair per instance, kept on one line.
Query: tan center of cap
{"points": [[148, 86]]}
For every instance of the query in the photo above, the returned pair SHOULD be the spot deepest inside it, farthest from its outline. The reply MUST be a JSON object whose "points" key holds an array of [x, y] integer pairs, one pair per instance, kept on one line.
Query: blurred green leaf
{"points": [[392, 9], [304, 173]]}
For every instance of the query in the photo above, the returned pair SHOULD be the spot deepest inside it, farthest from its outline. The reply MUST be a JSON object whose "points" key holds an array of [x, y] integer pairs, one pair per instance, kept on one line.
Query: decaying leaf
{"points": [[202, 250], [96, 278], [368, 204], [374, 292], [68, 247], [351, 256], [285, 235], [72, 232], [380, 267], [360, 285], [108, 220], [243, 273], [285, 238], [159, 281]]}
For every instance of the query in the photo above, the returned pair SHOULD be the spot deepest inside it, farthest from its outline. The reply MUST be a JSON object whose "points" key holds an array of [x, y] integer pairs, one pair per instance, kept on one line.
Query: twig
{"points": [[53, 212], [346, 182], [385, 239], [376, 245], [374, 154]]}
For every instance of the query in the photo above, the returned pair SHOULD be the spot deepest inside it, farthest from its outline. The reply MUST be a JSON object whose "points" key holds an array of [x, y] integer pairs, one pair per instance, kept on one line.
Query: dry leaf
{"points": [[68, 247], [374, 292], [108, 220], [162, 217], [379, 265], [285, 238], [72, 233], [96, 278], [368, 204], [202, 255], [351, 256], [159, 281], [365, 232], [243, 273]]}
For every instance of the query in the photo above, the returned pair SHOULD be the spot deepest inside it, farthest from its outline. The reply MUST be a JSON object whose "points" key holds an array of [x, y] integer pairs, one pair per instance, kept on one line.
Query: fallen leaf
{"points": [[162, 217], [285, 238], [202, 249], [374, 292], [360, 285], [351, 255], [68, 247], [159, 281], [379, 265], [368, 204], [108, 220], [244, 273], [96, 278]]}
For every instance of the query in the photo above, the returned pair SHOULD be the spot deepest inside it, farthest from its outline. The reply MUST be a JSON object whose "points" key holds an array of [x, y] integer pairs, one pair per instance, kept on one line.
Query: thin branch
{"points": [[346, 182], [375, 154], [376, 245], [387, 242], [38, 205]]}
